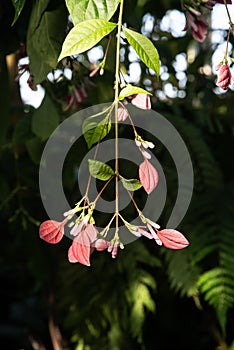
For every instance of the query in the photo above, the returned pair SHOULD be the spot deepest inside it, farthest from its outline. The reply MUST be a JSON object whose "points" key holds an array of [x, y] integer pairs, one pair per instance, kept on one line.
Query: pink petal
{"points": [[145, 233], [80, 249], [101, 244], [122, 114], [71, 256], [148, 176], [224, 77], [202, 27], [51, 231], [172, 239], [141, 101], [153, 233]]}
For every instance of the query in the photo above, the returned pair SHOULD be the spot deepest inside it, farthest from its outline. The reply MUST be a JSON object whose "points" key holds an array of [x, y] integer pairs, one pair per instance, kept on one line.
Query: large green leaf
{"points": [[95, 132], [131, 90], [144, 48], [85, 35], [45, 36], [45, 119], [23, 131], [84, 10], [131, 184], [18, 5], [35, 148], [100, 170]]}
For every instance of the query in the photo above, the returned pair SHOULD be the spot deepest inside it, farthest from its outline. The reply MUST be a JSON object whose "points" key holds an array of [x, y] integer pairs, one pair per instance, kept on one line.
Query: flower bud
{"points": [[224, 77]]}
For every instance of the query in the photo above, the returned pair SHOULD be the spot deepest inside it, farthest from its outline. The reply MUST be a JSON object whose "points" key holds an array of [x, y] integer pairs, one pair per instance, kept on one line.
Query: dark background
{"points": [[149, 298]]}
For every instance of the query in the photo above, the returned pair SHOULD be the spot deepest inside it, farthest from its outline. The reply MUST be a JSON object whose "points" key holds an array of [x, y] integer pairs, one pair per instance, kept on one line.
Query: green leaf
{"points": [[144, 48], [46, 33], [131, 184], [131, 90], [35, 148], [84, 10], [23, 131], [95, 132], [85, 35], [18, 5], [100, 170], [45, 119]]}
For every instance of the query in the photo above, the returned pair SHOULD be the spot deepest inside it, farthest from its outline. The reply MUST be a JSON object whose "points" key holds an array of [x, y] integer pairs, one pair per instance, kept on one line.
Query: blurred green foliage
{"points": [[149, 298]]}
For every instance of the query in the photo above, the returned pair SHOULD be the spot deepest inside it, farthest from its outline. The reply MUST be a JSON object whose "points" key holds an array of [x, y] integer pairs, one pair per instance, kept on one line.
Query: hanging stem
{"points": [[226, 52], [102, 190], [116, 87], [228, 13]]}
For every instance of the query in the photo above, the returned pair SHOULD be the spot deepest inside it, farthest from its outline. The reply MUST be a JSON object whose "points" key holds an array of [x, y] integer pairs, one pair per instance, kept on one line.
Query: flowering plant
{"points": [[86, 33]]}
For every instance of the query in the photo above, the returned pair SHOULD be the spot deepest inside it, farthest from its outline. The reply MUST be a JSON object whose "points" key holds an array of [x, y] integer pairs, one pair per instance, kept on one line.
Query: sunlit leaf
{"points": [[84, 10], [100, 170], [130, 90], [18, 5], [85, 35], [94, 132], [144, 48], [131, 184]]}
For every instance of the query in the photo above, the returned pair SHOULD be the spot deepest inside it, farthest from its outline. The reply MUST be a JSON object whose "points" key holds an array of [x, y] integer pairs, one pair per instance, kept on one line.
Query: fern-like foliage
{"points": [[112, 298], [217, 283], [206, 268]]}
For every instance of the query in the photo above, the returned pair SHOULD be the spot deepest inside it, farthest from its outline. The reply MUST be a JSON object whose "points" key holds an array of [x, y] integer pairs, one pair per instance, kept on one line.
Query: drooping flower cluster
{"points": [[85, 235], [195, 19], [74, 98], [87, 238], [198, 25]]}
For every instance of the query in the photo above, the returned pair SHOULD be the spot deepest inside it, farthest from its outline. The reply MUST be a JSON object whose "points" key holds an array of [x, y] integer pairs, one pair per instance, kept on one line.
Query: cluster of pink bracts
{"points": [[88, 239], [199, 27], [195, 19]]}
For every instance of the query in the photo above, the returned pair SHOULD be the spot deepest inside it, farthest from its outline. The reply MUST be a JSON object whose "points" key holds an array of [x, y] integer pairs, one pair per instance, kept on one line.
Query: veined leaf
{"points": [[131, 90], [148, 176], [94, 132], [18, 5], [131, 184], [100, 170], [80, 249], [84, 36], [45, 37], [84, 10], [144, 48]]}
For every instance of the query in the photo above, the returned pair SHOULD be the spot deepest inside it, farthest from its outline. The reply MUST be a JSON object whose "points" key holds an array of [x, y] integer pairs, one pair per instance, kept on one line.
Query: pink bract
{"points": [[148, 176], [80, 249], [141, 101], [51, 231], [172, 239], [224, 77]]}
